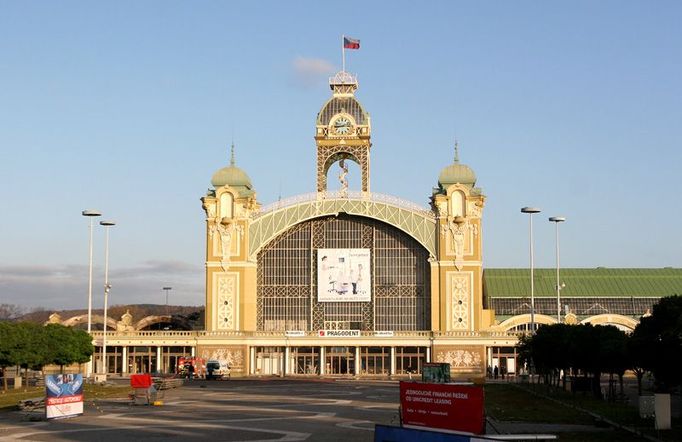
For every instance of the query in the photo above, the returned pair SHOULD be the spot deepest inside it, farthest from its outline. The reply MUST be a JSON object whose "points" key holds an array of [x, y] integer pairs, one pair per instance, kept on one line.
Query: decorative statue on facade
{"points": [[342, 179], [126, 322], [210, 210], [458, 227], [226, 228]]}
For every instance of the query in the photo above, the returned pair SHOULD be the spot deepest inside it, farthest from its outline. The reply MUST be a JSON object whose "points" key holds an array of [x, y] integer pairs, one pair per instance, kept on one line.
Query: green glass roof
{"points": [[599, 282]]}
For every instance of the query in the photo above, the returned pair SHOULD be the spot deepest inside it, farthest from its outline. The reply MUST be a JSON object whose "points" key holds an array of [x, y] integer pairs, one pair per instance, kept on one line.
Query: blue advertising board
{"points": [[64, 395]]}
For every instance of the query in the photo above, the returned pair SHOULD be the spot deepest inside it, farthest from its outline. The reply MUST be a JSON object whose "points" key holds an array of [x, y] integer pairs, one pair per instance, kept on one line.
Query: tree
{"points": [[10, 311], [613, 355], [83, 345], [662, 334], [32, 347], [67, 345], [7, 349]]}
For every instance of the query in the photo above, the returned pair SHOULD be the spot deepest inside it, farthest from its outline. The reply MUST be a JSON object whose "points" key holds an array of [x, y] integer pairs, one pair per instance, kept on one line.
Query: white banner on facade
{"points": [[339, 333], [343, 275]]}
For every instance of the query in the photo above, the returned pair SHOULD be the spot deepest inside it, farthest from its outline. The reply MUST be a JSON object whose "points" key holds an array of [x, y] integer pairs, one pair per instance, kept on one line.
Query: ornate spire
{"points": [[456, 151], [232, 155]]}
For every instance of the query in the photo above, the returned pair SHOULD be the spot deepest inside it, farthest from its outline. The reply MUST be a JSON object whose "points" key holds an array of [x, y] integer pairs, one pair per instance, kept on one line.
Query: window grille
{"points": [[287, 278], [580, 306]]}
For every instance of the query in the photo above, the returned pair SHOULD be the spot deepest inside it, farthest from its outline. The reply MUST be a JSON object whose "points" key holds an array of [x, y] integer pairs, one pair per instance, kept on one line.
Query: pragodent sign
{"points": [[339, 333], [443, 406]]}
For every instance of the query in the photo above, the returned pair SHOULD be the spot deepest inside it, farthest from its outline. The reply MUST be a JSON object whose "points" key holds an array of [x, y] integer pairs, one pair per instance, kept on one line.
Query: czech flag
{"points": [[351, 43]]}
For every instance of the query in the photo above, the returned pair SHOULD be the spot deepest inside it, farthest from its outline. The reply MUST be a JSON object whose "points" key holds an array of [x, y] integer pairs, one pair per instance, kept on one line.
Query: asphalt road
{"points": [[234, 410]]}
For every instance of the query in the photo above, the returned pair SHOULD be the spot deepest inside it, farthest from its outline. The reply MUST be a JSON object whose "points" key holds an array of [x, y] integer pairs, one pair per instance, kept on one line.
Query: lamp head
{"points": [[107, 223], [530, 210], [91, 212], [557, 219]]}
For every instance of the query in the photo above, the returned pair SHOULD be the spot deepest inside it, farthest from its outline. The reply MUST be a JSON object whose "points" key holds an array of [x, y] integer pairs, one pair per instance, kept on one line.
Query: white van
{"points": [[216, 369]]}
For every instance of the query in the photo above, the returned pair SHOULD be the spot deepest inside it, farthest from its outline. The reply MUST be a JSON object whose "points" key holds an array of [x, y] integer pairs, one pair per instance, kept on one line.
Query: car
{"points": [[217, 370]]}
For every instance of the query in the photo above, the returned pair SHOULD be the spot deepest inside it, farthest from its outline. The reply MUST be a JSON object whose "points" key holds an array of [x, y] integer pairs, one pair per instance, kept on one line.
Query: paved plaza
{"points": [[252, 409], [235, 410]]}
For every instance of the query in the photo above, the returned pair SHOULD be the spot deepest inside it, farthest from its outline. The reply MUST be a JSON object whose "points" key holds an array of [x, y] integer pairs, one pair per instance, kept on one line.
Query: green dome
{"points": [[230, 176], [234, 177], [457, 173]]}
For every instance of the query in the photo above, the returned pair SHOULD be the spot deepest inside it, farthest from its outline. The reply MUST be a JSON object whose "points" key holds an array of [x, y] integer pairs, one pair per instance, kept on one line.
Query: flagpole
{"points": [[343, 53]]}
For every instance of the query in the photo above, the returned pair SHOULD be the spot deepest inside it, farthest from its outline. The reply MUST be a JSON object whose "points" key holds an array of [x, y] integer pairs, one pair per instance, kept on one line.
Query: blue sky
{"points": [[130, 107]]}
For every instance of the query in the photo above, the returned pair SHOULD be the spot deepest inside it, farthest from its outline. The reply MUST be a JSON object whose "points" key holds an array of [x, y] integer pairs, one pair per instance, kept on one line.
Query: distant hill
{"points": [[192, 314]]}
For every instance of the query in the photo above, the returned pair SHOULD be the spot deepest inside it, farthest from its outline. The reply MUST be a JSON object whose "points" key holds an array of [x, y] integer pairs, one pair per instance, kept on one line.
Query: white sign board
{"points": [[343, 275], [339, 333]]}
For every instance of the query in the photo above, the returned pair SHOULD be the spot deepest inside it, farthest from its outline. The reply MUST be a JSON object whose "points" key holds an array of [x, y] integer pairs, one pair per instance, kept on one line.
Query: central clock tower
{"points": [[343, 131]]}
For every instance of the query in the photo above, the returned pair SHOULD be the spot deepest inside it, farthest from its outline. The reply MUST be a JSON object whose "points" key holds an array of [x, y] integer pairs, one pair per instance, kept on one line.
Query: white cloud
{"points": [[310, 72], [66, 287]]}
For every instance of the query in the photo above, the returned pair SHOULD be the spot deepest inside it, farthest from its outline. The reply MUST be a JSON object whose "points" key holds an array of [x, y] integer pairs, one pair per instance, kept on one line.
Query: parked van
{"points": [[217, 370]]}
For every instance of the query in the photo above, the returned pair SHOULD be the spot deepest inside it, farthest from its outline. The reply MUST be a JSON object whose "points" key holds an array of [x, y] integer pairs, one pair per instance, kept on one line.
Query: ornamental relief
{"points": [[226, 242], [459, 238], [226, 289], [474, 208], [460, 294], [230, 356], [462, 359]]}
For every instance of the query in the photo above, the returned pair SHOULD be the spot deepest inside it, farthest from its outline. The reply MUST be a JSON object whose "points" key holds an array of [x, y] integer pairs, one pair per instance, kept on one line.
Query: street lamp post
{"points": [[167, 289], [556, 220], [90, 213], [107, 287], [530, 211]]}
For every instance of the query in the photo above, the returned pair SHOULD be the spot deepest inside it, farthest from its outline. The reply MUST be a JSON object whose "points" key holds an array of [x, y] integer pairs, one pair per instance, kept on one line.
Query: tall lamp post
{"points": [[107, 287], [90, 213], [167, 289], [556, 220], [530, 211]]}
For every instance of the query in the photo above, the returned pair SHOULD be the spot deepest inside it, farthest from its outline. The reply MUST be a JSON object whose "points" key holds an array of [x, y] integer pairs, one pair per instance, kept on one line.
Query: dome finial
{"points": [[456, 151], [232, 155]]}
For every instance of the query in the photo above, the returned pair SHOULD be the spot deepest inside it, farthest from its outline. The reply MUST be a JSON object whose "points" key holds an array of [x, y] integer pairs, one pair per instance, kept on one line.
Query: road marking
{"points": [[354, 425], [286, 436]]}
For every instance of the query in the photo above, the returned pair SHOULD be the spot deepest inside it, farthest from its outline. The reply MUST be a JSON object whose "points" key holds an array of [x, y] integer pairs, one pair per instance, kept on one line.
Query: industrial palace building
{"points": [[351, 283]]}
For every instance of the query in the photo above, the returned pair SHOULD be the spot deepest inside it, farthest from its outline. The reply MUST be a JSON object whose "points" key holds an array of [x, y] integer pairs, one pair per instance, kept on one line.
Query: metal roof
{"points": [[597, 282]]}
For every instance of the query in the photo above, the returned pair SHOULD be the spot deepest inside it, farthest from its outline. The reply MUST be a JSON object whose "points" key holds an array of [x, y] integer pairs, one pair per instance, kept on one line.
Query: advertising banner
{"points": [[64, 395], [436, 372], [343, 275], [443, 406]]}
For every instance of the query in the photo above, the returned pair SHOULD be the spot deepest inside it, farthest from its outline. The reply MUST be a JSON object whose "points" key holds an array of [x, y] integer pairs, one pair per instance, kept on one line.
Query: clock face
{"points": [[342, 126]]}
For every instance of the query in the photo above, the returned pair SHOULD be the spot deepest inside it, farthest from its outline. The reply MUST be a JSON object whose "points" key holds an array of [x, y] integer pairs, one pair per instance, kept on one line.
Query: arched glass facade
{"points": [[287, 278]]}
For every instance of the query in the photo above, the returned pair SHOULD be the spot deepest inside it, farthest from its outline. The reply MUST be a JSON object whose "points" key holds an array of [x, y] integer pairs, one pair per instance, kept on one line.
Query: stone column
{"points": [[357, 361], [287, 364], [323, 361], [158, 359], [124, 359], [393, 362]]}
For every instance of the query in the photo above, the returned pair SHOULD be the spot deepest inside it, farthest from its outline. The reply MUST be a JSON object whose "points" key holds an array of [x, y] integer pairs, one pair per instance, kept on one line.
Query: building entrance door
{"points": [[340, 360], [269, 360], [305, 360]]}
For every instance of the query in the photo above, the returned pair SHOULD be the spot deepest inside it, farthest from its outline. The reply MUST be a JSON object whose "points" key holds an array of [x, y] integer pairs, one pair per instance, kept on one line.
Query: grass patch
{"points": [[91, 392], [524, 402], [506, 402]]}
